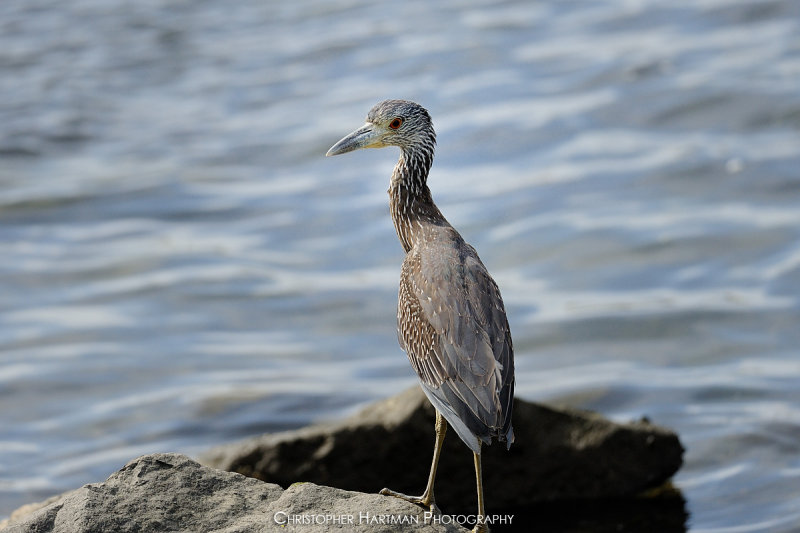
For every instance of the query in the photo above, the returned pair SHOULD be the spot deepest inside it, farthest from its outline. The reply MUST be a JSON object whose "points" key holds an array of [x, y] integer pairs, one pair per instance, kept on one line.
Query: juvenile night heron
{"points": [[450, 317]]}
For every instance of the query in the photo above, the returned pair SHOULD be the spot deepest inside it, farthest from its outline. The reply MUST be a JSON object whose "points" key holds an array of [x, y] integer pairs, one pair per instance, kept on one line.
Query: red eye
{"points": [[396, 123]]}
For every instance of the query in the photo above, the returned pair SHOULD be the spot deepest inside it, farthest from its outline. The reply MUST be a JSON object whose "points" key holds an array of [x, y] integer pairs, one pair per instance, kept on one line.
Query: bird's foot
{"points": [[480, 528], [426, 500]]}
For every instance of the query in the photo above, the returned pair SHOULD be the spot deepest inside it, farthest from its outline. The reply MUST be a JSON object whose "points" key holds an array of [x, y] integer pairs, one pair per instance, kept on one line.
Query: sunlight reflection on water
{"points": [[183, 267]]}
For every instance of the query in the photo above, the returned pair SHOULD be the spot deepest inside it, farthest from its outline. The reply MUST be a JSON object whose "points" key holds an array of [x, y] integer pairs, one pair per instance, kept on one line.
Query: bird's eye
{"points": [[396, 123]]}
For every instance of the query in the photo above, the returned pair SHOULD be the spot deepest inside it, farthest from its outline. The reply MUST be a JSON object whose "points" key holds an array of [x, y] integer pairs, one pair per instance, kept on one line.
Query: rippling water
{"points": [[182, 267]]}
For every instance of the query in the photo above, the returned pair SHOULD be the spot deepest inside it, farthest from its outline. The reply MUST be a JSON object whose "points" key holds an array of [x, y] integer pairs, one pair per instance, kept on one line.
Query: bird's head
{"points": [[391, 123]]}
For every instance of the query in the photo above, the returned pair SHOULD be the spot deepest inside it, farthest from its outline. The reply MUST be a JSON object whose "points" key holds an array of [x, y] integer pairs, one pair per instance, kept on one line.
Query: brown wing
{"points": [[453, 326]]}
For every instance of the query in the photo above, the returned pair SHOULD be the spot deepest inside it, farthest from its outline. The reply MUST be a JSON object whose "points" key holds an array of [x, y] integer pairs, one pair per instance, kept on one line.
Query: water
{"points": [[182, 267]]}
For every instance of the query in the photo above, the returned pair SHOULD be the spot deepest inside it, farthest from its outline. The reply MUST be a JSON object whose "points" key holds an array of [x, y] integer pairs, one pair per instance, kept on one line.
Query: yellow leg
{"points": [[480, 526], [427, 497]]}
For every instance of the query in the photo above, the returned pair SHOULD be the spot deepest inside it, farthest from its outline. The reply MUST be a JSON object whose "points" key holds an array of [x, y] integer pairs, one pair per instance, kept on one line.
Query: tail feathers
{"points": [[460, 421]]}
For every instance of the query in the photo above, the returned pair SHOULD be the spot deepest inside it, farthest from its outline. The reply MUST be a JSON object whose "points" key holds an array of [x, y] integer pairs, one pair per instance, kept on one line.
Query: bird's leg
{"points": [[427, 497], [480, 526]]}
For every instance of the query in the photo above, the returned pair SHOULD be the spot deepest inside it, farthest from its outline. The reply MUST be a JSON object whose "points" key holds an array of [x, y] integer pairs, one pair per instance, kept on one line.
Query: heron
{"points": [[451, 321]]}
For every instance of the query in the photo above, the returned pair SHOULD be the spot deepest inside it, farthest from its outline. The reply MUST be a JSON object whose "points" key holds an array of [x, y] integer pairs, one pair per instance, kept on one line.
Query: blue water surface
{"points": [[181, 267]]}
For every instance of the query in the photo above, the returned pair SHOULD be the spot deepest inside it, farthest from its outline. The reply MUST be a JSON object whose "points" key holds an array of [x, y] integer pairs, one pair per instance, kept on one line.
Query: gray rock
{"points": [[559, 454], [169, 492]]}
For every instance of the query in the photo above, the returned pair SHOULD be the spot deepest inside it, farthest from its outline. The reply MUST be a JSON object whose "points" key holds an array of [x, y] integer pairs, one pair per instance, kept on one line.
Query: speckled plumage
{"points": [[450, 317]]}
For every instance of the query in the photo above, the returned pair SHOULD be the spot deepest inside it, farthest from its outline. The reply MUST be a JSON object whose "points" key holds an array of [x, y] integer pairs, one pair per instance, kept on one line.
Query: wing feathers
{"points": [[453, 326]]}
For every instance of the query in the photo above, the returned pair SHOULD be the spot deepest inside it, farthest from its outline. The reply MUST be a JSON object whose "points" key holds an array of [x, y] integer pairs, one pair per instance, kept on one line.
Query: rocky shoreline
{"points": [[285, 481]]}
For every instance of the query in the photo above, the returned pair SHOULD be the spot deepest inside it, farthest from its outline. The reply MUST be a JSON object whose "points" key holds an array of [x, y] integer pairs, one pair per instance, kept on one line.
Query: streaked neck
{"points": [[410, 201]]}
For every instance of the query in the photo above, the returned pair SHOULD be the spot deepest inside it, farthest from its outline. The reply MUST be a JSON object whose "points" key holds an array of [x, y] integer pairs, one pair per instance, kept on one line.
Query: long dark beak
{"points": [[364, 137]]}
